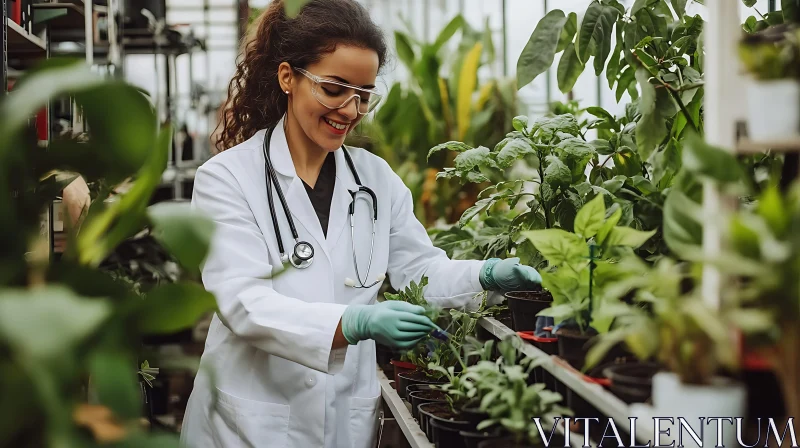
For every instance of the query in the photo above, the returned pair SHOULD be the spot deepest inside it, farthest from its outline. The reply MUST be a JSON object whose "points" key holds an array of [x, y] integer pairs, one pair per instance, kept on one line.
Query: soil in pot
{"points": [[524, 306], [632, 382], [473, 438], [416, 377], [419, 397]]}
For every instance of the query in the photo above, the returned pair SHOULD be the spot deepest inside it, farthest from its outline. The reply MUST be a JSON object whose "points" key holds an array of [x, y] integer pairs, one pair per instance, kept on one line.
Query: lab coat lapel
{"points": [[296, 196], [340, 203]]}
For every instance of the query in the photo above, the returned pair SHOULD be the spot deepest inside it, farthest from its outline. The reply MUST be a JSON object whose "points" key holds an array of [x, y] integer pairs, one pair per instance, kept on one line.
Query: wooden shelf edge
{"points": [[414, 435], [746, 146], [603, 400]]}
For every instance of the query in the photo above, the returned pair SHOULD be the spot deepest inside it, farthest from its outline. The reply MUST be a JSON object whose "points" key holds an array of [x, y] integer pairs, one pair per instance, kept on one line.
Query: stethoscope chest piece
{"points": [[302, 255]]}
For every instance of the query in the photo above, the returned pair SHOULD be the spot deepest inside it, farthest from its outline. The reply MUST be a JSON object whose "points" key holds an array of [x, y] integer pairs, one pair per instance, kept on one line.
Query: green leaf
{"points": [[774, 211], [626, 78], [641, 4], [512, 151], [113, 378], [173, 307], [473, 211], [539, 52], [602, 38], [184, 232], [556, 245], [614, 184], [683, 230], [790, 10], [628, 237], [652, 128], [609, 224], [680, 7], [710, 162], [591, 217], [749, 25], [590, 23], [293, 7], [599, 112], [566, 209], [774, 18], [520, 123], [568, 32], [451, 146], [569, 69], [404, 50], [471, 158], [47, 322], [749, 3], [448, 31], [557, 174]]}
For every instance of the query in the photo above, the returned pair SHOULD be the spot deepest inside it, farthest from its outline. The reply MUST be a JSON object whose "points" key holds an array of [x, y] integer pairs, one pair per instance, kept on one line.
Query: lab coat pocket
{"points": [[253, 424], [364, 421]]}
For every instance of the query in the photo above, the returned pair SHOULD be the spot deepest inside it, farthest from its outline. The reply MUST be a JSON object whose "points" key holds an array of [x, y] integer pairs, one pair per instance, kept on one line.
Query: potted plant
{"points": [[772, 59]]}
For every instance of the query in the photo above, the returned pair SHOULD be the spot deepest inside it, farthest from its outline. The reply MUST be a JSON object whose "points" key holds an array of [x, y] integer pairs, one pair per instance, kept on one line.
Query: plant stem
{"points": [[541, 197]]}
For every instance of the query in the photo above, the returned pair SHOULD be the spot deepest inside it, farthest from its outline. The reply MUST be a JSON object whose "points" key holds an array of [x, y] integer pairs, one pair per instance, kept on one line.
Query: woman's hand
{"points": [[508, 275], [392, 323]]}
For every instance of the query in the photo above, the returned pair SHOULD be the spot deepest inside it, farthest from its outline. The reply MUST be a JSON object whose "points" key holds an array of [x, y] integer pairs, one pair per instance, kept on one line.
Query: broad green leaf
{"points": [[520, 123], [774, 18], [451, 146], [471, 158], [557, 174], [603, 147], [628, 237], [683, 230], [568, 32], [791, 10], [772, 208], [753, 320], [626, 78], [467, 80], [539, 52], [113, 378], [749, 3], [603, 36], [293, 7], [599, 112], [556, 245], [652, 128], [591, 217], [566, 209], [680, 7], [749, 25], [614, 184], [184, 232], [569, 69], [591, 21], [173, 307], [448, 31], [709, 161], [47, 322], [512, 151], [609, 224], [641, 4], [404, 49], [473, 211], [559, 312]]}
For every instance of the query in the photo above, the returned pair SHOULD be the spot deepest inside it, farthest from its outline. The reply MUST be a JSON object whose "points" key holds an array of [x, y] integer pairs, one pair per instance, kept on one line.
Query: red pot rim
{"points": [[530, 336], [754, 361], [601, 381], [402, 364]]}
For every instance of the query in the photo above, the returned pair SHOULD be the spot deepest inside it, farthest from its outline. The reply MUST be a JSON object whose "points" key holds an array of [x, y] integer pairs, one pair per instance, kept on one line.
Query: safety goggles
{"points": [[336, 95]]}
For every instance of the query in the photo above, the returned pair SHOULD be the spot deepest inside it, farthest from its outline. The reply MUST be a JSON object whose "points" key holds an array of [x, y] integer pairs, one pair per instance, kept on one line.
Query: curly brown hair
{"points": [[255, 100]]}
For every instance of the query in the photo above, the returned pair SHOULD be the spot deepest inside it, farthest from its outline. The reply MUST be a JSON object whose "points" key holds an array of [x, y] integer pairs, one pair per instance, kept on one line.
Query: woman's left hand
{"points": [[508, 275]]}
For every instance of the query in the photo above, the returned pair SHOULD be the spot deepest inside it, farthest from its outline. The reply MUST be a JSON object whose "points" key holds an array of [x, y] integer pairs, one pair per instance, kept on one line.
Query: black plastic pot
{"points": [[419, 397], [416, 377], [400, 367], [446, 436], [415, 387], [472, 414], [524, 306], [506, 443], [472, 439], [632, 382], [441, 413]]}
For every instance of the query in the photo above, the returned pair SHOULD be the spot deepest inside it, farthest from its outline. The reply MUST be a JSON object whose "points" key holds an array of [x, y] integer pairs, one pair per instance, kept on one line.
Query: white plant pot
{"points": [[672, 398], [773, 110]]}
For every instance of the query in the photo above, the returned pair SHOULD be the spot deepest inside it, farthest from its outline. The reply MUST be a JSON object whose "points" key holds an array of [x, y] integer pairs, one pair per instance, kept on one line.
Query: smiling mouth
{"points": [[335, 125]]}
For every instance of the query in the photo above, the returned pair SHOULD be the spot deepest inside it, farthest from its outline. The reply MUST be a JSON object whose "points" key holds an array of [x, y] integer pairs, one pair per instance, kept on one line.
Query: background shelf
{"points": [[72, 19], [21, 43], [746, 146]]}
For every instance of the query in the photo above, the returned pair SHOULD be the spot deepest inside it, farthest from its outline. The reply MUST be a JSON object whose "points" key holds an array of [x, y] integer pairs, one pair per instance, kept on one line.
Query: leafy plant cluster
{"points": [[64, 322]]}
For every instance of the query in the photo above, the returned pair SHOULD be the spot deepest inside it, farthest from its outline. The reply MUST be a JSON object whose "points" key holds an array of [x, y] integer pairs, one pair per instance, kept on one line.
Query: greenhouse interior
{"points": [[400, 223]]}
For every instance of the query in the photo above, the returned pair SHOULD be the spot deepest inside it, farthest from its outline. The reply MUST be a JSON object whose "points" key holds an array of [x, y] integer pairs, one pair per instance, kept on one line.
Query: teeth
{"points": [[338, 126]]}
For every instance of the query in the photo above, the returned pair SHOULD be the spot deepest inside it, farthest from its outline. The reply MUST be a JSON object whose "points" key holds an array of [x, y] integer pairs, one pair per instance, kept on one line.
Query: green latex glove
{"points": [[508, 275], [391, 323]]}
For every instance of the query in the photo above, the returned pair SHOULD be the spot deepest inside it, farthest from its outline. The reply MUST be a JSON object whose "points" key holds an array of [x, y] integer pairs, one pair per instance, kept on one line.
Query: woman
{"points": [[290, 358]]}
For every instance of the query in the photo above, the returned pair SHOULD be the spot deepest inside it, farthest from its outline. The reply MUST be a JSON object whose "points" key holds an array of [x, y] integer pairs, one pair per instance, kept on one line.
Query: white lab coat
{"points": [[268, 358]]}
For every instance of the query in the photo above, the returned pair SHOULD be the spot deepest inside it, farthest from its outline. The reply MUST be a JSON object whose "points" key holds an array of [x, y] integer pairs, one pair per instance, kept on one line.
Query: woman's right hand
{"points": [[391, 323]]}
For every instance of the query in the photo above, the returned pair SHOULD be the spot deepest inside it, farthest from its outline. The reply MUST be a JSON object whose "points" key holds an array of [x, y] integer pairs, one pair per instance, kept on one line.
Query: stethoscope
{"points": [[303, 253]]}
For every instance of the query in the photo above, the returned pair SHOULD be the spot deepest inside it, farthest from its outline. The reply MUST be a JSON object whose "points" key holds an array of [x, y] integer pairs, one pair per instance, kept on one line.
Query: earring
{"points": [[287, 92]]}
